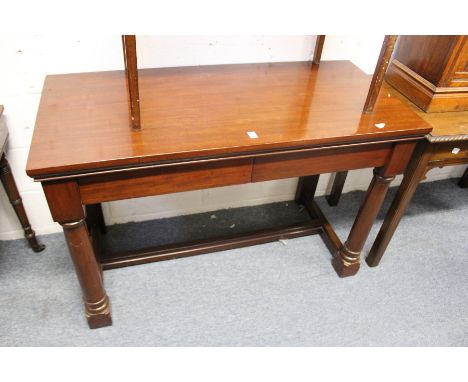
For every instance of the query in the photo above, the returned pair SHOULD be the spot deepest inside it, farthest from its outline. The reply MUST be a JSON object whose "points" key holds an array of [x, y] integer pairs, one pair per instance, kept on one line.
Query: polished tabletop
{"points": [[194, 112]]}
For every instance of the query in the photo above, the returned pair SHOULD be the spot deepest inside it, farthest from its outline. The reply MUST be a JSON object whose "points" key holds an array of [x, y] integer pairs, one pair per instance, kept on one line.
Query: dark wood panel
{"points": [[430, 71], [456, 71], [320, 161], [165, 180], [426, 55]]}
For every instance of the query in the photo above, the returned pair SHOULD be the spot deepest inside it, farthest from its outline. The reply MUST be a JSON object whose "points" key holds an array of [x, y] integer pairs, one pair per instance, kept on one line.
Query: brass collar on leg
{"points": [[381, 178], [349, 257], [73, 225]]}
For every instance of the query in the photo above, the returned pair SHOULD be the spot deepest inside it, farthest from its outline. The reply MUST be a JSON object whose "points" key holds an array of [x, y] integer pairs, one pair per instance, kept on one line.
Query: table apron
{"points": [[186, 177], [334, 160]]}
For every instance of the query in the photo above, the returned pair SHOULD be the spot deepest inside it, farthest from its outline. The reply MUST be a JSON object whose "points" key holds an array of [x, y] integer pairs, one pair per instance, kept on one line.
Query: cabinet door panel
{"points": [[459, 75]]}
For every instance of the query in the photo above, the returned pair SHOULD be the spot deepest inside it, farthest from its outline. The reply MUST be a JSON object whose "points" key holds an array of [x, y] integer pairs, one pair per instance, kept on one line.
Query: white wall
{"points": [[26, 60]]}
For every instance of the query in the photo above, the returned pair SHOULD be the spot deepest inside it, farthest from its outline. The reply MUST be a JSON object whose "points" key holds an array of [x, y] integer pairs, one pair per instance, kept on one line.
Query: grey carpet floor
{"points": [[265, 295]]}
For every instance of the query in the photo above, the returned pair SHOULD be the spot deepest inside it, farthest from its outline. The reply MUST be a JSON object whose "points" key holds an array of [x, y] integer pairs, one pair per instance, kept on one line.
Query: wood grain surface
{"points": [[192, 112]]}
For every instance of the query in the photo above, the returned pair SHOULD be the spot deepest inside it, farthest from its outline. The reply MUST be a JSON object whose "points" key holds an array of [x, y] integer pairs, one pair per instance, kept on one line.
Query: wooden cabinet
{"points": [[432, 71]]}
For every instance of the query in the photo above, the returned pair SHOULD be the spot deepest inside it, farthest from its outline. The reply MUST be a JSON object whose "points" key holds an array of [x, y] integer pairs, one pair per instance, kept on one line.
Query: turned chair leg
{"points": [[463, 183], [337, 188], [11, 189]]}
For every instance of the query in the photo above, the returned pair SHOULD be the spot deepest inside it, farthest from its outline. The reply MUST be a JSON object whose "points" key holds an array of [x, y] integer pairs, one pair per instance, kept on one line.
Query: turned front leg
{"points": [[87, 269], [65, 205], [8, 181], [347, 260]]}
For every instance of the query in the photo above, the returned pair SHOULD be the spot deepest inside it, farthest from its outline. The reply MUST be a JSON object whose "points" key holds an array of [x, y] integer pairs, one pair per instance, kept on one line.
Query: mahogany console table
{"points": [[205, 127]]}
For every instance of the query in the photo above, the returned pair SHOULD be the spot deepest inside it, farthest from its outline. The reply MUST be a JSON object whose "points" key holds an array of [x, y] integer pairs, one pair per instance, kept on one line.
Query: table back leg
{"points": [[463, 183], [95, 216], [306, 187], [337, 188]]}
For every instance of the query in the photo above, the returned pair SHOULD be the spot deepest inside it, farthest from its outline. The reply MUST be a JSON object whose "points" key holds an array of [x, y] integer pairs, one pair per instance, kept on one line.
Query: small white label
{"points": [[252, 134], [456, 150], [380, 125]]}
